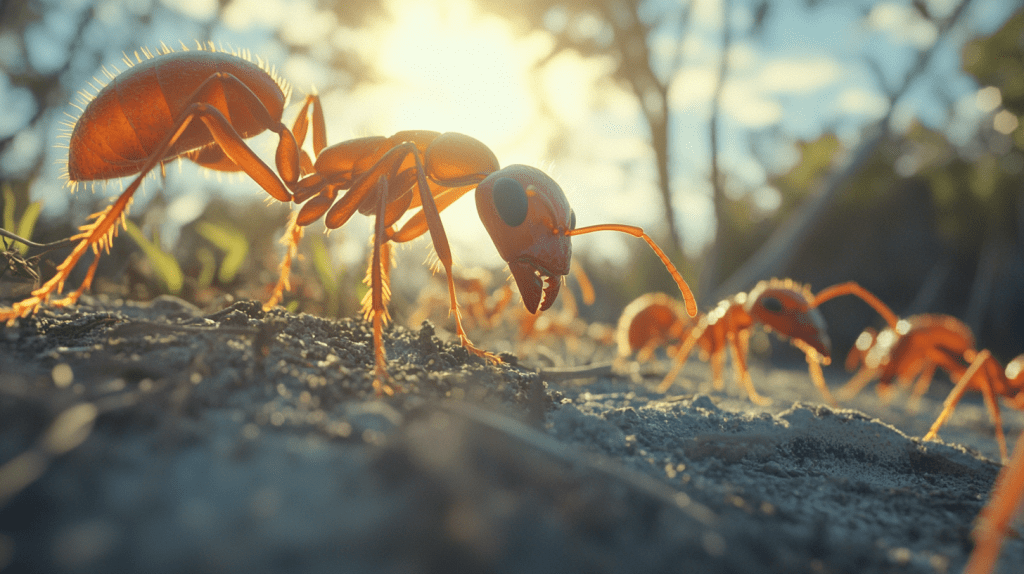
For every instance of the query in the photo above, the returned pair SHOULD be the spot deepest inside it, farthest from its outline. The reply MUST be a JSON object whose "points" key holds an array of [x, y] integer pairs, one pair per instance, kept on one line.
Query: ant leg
{"points": [[680, 358], [994, 520], [302, 121], [290, 240], [855, 385], [440, 241], [743, 374], [814, 367], [924, 380], [231, 153], [997, 420], [376, 310], [956, 394]]}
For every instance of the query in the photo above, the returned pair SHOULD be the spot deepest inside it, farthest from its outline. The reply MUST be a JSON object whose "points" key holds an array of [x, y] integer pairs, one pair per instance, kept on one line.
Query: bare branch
{"points": [[776, 253]]}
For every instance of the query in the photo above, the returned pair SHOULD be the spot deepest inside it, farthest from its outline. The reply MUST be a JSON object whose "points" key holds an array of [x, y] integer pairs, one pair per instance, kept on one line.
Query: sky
{"points": [[455, 68]]}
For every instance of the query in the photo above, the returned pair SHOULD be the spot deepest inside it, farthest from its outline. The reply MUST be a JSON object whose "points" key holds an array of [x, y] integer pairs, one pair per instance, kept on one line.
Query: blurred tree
{"points": [[792, 232], [995, 61], [49, 49], [927, 224], [621, 30]]}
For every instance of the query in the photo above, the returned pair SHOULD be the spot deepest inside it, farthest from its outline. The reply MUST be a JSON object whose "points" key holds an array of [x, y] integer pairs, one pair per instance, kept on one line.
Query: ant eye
{"points": [[572, 220], [772, 304], [510, 201]]}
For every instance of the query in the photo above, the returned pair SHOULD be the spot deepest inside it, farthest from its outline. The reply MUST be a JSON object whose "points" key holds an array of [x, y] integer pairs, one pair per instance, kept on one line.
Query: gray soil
{"points": [[157, 438]]}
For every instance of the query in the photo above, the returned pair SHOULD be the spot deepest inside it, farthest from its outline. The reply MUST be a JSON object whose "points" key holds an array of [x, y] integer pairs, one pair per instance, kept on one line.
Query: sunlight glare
{"points": [[567, 80], [457, 70]]}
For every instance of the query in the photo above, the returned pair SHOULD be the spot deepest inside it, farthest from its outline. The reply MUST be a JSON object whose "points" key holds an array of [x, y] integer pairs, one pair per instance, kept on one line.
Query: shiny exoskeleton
{"points": [[203, 105]]}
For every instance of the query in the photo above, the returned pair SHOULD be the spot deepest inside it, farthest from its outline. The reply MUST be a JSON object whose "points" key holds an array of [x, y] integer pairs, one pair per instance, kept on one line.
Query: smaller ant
{"points": [[913, 350], [781, 305]]}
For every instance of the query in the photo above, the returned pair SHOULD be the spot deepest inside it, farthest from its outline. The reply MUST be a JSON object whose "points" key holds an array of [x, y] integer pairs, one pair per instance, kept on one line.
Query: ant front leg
{"points": [[681, 356], [380, 263], [444, 254], [292, 235], [738, 342], [979, 374]]}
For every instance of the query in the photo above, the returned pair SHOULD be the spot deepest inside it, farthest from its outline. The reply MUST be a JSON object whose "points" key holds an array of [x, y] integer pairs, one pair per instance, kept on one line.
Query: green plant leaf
{"points": [[231, 241], [329, 278], [166, 267]]}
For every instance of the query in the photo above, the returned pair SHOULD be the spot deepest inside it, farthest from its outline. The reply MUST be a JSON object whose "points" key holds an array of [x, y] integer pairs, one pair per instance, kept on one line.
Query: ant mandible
{"points": [[201, 105]]}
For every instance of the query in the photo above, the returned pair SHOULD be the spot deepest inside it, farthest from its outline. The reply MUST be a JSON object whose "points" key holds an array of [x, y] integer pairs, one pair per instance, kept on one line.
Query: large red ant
{"points": [[202, 105]]}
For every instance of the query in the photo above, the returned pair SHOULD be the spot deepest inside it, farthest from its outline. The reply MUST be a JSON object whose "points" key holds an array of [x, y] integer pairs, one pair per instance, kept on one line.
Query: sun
{"points": [[450, 67]]}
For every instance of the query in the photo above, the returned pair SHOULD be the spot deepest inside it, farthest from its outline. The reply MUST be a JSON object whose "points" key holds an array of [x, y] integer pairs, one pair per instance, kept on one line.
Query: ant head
{"points": [[786, 308], [527, 216]]}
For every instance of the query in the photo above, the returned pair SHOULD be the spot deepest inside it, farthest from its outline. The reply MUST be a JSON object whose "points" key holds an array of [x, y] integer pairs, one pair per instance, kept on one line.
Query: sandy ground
{"points": [[158, 438]]}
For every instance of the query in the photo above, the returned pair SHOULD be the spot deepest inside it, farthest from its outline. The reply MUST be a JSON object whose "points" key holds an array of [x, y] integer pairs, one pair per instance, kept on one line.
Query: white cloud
{"points": [[903, 23], [798, 76], [692, 87], [745, 104], [858, 101], [742, 57], [752, 85]]}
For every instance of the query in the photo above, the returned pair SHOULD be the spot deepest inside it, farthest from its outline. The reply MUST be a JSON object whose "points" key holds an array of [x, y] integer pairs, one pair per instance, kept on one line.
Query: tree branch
{"points": [[776, 253]]}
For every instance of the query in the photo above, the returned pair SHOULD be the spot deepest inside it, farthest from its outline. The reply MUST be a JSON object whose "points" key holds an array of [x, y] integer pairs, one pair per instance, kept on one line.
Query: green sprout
{"points": [[164, 264]]}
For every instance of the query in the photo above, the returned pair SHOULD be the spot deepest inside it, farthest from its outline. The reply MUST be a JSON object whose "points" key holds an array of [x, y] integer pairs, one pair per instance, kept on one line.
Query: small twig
{"points": [[146, 327], [45, 246], [77, 328]]}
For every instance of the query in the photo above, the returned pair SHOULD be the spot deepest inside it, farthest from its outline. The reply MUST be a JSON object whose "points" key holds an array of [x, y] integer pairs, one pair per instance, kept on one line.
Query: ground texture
{"points": [[159, 438]]}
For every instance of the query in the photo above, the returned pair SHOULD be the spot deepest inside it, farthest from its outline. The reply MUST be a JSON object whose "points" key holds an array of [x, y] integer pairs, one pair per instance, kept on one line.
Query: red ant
{"points": [[203, 105], [920, 344], [650, 321], [781, 305], [914, 349]]}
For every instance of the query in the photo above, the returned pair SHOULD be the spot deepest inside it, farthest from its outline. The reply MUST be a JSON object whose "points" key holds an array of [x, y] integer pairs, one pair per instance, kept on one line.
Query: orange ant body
{"points": [[920, 344], [913, 350], [203, 105], [781, 305], [650, 321]]}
